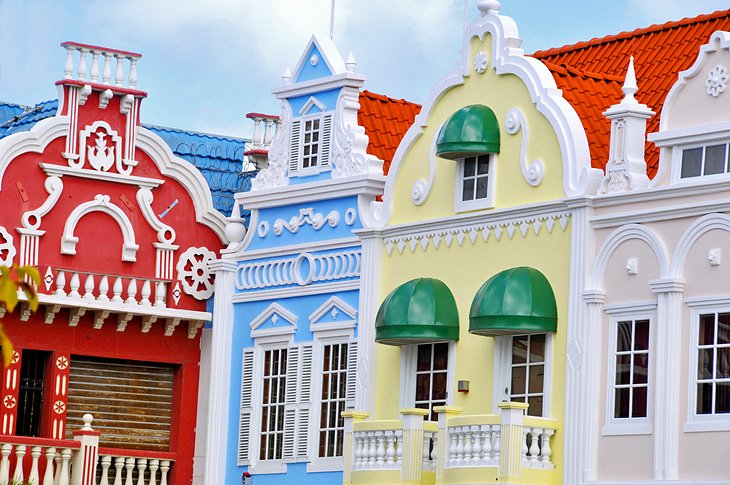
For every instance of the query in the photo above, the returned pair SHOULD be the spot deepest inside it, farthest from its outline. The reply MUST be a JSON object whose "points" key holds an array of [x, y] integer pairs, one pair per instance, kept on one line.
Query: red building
{"points": [[122, 232]]}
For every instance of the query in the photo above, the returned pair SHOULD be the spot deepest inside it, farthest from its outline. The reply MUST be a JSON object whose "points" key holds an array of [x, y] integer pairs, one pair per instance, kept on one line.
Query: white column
{"points": [[219, 361], [668, 331], [370, 278]]}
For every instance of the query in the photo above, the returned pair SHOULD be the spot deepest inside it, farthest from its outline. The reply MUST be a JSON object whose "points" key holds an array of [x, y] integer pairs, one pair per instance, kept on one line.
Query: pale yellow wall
{"points": [[500, 93]]}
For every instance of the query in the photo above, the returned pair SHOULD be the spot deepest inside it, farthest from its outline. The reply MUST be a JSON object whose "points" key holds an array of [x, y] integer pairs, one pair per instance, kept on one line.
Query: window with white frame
{"points": [[474, 182], [273, 401], [704, 160], [432, 362], [630, 366], [527, 383], [713, 364], [310, 144], [333, 399]]}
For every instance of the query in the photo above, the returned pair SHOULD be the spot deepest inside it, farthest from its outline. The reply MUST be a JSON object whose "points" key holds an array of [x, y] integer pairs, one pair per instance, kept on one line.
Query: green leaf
{"points": [[8, 292]]}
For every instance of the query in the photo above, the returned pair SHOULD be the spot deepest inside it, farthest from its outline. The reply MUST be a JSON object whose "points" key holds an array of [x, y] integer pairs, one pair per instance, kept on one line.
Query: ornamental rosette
{"points": [[194, 273], [716, 82], [7, 250]]}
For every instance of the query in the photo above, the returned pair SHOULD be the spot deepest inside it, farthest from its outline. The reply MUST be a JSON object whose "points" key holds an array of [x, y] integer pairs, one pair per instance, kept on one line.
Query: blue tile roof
{"points": [[219, 158]]}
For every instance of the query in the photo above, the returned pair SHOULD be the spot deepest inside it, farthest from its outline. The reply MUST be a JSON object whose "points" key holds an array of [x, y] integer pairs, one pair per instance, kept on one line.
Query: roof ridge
{"points": [[201, 133], [628, 34], [561, 68]]}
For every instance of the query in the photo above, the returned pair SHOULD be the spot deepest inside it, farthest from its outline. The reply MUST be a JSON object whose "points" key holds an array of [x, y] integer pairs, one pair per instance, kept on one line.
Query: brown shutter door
{"points": [[131, 402]]}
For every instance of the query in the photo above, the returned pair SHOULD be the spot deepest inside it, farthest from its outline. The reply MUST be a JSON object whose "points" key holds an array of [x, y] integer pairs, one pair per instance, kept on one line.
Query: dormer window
{"points": [[704, 160], [471, 137], [310, 144]]}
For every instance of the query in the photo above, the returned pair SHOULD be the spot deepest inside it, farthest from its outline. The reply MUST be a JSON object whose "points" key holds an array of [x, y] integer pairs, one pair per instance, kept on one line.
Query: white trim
{"points": [[408, 366], [320, 84], [628, 426], [312, 101], [301, 170], [165, 233], [329, 52], [60, 171], [691, 235], [316, 289], [101, 203], [269, 312], [369, 185], [291, 250], [54, 187], [35, 140], [665, 213]]}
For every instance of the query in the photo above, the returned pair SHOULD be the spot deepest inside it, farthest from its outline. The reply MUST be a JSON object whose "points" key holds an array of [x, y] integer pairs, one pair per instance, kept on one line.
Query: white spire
{"points": [[630, 87]]}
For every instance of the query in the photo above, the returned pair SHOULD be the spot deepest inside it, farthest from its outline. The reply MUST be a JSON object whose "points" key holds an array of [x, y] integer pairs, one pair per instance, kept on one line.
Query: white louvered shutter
{"points": [[296, 127], [244, 425], [324, 155], [290, 403], [305, 401], [351, 375]]}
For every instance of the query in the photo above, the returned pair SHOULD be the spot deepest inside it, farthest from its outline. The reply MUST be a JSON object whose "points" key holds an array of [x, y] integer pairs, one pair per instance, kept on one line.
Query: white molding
{"points": [[627, 429], [101, 203], [331, 303], [665, 213], [622, 235], [83, 149], [329, 52], [321, 84], [358, 185], [292, 249], [691, 235], [307, 216], [273, 310], [534, 171], [52, 169], [7, 245], [165, 233], [312, 101], [707, 301], [35, 140], [54, 188], [475, 204], [630, 309], [188, 176], [293, 291]]}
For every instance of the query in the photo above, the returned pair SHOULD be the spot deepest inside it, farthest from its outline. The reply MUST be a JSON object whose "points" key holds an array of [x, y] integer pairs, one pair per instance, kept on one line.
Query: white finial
{"points": [[488, 6], [630, 87], [350, 63], [87, 419], [286, 76]]}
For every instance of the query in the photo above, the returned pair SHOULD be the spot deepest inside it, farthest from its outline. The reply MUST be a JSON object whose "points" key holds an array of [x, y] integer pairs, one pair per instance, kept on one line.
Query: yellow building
{"points": [[461, 372]]}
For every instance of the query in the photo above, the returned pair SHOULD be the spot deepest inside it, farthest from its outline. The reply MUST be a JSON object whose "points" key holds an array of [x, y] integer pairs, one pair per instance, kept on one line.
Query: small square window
{"points": [[474, 182]]}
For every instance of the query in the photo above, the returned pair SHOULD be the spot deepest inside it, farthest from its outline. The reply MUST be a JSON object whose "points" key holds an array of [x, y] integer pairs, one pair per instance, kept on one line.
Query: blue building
{"points": [[290, 356]]}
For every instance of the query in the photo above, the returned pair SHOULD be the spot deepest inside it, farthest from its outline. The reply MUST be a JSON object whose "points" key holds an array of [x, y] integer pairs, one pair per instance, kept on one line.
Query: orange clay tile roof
{"points": [[385, 120], [591, 73]]}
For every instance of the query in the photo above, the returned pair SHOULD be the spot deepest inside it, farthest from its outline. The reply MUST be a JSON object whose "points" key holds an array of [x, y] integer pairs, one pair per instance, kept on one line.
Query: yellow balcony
{"points": [[508, 447]]}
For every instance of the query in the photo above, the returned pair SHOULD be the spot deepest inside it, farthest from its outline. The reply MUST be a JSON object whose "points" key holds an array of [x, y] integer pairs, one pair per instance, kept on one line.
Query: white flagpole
{"points": [[332, 20], [466, 7]]}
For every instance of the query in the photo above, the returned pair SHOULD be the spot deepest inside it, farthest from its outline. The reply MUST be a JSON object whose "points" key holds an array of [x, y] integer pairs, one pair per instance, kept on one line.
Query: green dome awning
{"points": [[418, 311], [473, 130], [515, 301]]}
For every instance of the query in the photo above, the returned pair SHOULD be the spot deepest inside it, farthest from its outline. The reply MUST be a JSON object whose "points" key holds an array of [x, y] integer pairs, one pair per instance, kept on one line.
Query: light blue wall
{"points": [[308, 71]]}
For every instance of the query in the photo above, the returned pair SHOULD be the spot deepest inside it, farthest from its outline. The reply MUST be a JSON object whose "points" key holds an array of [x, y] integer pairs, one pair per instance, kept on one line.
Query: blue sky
{"points": [[206, 64]]}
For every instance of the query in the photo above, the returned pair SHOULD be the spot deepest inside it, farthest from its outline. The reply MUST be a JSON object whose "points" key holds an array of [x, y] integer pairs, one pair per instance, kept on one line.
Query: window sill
{"points": [[698, 426], [627, 429], [267, 467], [326, 465]]}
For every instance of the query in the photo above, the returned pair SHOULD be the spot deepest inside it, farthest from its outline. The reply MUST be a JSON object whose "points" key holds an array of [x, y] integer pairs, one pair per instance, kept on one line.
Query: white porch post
{"points": [[666, 408], [220, 366]]}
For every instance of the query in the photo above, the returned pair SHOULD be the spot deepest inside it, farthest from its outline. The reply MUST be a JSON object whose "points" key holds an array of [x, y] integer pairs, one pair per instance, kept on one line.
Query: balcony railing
{"points": [[494, 446], [79, 461]]}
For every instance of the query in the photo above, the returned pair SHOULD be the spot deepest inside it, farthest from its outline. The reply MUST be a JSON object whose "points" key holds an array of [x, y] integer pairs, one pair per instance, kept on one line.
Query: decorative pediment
{"points": [[333, 313], [320, 60], [275, 320], [313, 105]]}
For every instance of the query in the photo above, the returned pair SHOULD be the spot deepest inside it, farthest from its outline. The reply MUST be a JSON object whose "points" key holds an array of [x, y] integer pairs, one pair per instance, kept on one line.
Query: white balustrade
{"points": [[148, 471], [377, 450], [56, 466], [264, 129], [536, 451], [472, 446], [430, 450], [100, 55], [96, 288]]}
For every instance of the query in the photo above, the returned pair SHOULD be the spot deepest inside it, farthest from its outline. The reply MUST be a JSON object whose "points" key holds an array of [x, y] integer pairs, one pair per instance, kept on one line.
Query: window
{"points": [[333, 397], [527, 382], [713, 364], [30, 392], [310, 143], [272, 404], [704, 160], [474, 182], [631, 369], [431, 376]]}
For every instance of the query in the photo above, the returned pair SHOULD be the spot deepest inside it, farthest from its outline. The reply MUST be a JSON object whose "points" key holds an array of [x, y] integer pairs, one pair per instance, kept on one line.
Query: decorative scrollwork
{"points": [[193, 271], [533, 172], [307, 216], [7, 250]]}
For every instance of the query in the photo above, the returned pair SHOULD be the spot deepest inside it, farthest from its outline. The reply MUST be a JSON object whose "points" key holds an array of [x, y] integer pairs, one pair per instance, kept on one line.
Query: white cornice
{"points": [[462, 221], [294, 249], [294, 291], [669, 212], [702, 133], [362, 185], [60, 171], [321, 84], [35, 140], [688, 188]]}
